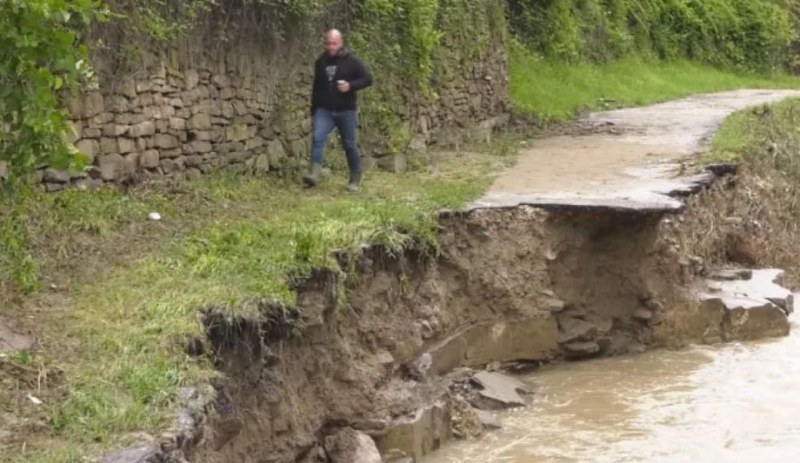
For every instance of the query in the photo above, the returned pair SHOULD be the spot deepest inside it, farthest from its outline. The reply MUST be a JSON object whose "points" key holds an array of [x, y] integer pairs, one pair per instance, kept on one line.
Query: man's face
{"points": [[333, 44]]}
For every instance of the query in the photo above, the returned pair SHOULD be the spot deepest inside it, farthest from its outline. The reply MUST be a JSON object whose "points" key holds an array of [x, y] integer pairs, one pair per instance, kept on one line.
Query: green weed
{"points": [[556, 91]]}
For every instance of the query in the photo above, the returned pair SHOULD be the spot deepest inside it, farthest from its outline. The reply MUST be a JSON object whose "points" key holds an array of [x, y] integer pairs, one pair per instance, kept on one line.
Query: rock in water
{"points": [[351, 446], [488, 420], [501, 389]]}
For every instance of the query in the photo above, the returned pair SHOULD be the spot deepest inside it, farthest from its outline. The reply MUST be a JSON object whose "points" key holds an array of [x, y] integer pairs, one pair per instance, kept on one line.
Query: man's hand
{"points": [[343, 86]]}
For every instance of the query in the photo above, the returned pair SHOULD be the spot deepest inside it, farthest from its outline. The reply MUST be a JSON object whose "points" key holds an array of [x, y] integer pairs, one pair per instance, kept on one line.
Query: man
{"points": [[338, 75]]}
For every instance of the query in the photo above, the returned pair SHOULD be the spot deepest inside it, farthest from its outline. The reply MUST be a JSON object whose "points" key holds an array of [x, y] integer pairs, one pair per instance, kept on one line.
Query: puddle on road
{"points": [[731, 403]]}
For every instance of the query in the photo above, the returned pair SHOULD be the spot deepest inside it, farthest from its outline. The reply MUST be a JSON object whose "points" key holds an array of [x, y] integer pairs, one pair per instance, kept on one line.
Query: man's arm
{"points": [[363, 77], [315, 89]]}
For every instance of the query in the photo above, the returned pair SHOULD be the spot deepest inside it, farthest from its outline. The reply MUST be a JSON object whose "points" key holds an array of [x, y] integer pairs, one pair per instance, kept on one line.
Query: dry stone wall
{"points": [[247, 108]]}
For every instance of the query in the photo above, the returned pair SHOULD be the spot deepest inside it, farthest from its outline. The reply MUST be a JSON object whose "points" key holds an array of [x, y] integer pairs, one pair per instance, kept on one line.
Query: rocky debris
{"points": [[580, 349], [729, 274], [575, 329], [747, 308], [466, 421], [643, 314], [498, 391], [583, 334], [351, 446], [418, 434], [529, 339]]}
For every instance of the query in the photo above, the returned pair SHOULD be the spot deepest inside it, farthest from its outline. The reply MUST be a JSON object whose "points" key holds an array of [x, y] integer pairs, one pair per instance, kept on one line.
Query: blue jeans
{"points": [[323, 122]]}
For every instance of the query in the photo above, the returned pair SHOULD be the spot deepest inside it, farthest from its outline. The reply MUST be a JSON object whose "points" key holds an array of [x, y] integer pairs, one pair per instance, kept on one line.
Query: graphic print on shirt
{"points": [[330, 71]]}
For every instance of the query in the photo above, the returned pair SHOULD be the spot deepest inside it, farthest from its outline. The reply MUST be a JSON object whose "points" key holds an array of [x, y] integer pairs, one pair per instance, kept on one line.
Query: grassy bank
{"points": [[113, 297], [752, 219], [120, 294], [556, 91]]}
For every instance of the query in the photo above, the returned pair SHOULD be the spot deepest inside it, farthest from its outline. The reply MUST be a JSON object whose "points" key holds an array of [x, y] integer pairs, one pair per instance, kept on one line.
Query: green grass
{"points": [[120, 332], [555, 92], [765, 134]]}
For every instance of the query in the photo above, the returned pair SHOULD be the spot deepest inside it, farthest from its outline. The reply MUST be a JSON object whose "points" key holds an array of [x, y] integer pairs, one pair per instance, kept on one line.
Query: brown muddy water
{"points": [[729, 403]]}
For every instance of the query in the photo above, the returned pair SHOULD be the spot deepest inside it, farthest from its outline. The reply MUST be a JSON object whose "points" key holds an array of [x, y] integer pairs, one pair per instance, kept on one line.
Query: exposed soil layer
{"points": [[520, 281], [517, 285]]}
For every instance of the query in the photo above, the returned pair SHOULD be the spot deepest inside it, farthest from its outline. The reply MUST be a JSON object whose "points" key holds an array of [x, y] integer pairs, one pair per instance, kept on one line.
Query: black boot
{"points": [[312, 177], [355, 182]]}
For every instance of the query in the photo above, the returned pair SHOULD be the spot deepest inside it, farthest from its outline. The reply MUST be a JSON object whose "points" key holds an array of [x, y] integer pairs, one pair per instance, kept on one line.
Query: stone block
{"points": [[91, 132], [193, 160], [527, 339], [114, 130], [56, 175], [227, 93], [419, 434], [110, 166], [221, 80], [169, 166], [238, 132], [351, 446], [200, 121], [130, 118], [253, 143], [276, 152], [144, 85], [109, 145], [119, 104], [127, 87], [198, 146], [176, 123], [101, 119], [191, 79], [88, 147], [261, 164], [142, 129], [131, 164], [166, 141], [204, 135], [173, 153], [93, 104], [150, 159], [126, 145]]}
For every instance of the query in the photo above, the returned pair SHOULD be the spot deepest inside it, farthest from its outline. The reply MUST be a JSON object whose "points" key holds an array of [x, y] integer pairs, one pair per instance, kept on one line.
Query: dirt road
{"points": [[635, 165]]}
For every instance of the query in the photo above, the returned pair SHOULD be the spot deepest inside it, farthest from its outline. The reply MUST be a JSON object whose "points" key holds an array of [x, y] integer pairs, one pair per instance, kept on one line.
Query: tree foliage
{"points": [[40, 58], [745, 34]]}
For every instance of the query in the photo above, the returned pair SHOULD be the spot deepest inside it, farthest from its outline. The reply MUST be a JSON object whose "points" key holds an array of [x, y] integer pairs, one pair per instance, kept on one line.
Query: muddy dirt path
{"points": [[635, 164]]}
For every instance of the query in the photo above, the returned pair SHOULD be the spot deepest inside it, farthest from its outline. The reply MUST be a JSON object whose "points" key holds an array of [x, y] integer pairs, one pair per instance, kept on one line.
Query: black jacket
{"points": [[329, 69]]}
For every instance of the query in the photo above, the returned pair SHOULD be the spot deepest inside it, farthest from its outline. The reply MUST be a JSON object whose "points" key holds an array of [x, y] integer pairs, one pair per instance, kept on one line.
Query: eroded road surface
{"points": [[637, 166], [736, 403]]}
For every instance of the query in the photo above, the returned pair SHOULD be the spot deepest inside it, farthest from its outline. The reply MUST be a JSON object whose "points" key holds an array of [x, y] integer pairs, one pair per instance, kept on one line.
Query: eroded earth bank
{"points": [[538, 271]]}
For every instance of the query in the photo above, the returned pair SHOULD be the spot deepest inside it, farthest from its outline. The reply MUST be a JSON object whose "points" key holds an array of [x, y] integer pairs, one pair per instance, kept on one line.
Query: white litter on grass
{"points": [[35, 400], [154, 216]]}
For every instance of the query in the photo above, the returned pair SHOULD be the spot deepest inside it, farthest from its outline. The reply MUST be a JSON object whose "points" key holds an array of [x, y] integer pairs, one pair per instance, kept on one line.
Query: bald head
{"points": [[334, 41]]}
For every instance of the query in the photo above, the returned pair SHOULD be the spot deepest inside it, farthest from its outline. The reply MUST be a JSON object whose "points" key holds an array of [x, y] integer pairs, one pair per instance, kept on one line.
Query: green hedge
{"points": [[745, 34]]}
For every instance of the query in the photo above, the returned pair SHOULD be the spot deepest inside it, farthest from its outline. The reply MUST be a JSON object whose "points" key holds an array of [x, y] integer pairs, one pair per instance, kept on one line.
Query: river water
{"points": [[728, 403]]}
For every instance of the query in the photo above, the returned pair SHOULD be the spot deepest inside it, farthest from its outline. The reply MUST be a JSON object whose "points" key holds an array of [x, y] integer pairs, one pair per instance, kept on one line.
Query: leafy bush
{"points": [[746, 34], [40, 56]]}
